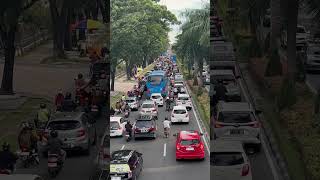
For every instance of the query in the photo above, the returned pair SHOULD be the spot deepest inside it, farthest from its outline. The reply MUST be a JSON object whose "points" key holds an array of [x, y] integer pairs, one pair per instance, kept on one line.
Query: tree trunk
{"points": [[128, 70], [7, 77], [275, 23]]}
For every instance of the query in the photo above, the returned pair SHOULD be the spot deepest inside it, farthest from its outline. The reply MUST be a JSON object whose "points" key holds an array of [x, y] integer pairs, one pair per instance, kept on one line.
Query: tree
{"points": [[10, 12]]}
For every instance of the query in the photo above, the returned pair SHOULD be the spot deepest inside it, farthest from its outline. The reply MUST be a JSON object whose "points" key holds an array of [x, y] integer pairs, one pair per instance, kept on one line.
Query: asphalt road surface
{"points": [[77, 166], [159, 154]]}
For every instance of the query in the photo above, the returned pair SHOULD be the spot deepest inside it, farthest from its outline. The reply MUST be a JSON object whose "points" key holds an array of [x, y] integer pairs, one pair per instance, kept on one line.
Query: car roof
{"points": [[221, 72], [148, 102], [179, 107], [121, 155], [131, 98], [226, 146], [234, 106], [18, 177], [66, 116], [115, 118], [190, 134], [156, 94], [183, 95]]}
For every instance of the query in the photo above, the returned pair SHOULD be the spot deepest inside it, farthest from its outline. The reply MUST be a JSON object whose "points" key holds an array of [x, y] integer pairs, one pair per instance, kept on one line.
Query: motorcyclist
{"points": [[7, 158], [43, 116], [68, 104], [59, 100], [55, 144], [168, 103], [128, 127], [118, 105], [166, 126], [28, 140]]}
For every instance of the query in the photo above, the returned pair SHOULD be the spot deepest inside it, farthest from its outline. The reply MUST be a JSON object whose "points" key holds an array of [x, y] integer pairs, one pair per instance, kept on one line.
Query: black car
{"points": [[125, 164], [145, 129]]}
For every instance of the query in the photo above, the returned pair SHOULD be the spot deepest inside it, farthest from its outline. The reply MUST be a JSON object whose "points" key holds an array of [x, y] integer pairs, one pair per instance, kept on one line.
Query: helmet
{"points": [[167, 97], [80, 76], [43, 105], [54, 134], [166, 118], [5, 146]]}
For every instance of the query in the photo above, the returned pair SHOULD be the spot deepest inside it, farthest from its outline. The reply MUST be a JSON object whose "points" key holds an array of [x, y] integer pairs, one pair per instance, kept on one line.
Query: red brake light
{"points": [[256, 124], [245, 170], [81, 133], [154, 110], [152, 128]]}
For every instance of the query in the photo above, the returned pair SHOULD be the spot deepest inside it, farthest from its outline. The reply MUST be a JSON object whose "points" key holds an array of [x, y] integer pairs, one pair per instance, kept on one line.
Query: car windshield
{"points": [[226, 158], [188, 142], [235, 117], [64, 125], [300, 30], [183, 98], [114, 125], [130, 101], [179, 85], [147, 105], [179, 111], [155, 80], [156, 97], [144, 124]]}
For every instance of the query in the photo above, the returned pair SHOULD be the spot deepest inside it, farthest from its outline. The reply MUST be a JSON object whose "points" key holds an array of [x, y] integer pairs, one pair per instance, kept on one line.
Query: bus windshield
{"points": [[155, 80]]}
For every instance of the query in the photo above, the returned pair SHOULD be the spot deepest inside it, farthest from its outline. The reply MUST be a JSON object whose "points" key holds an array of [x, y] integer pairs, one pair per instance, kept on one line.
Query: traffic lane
{"points": [[77, 166], [159, 154]]}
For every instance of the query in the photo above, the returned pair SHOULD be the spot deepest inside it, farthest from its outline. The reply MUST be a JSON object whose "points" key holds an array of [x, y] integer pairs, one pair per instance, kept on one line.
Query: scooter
{"points": [[54, 165]]}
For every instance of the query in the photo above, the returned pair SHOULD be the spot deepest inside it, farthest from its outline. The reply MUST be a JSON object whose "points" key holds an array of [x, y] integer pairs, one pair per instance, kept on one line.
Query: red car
{"points": [[189, 145]]}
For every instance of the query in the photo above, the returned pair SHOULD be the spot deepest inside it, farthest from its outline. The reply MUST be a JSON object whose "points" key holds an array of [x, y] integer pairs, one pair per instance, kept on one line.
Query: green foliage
{"points": [[38, 16], [274, 66]]}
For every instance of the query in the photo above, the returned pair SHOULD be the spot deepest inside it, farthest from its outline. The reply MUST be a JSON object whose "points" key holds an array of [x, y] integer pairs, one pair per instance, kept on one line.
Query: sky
{"points": [[178, 6]]}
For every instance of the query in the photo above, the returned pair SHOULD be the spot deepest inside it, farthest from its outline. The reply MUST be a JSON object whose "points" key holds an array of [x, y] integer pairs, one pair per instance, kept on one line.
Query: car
{"points": [[237, 121], [103, 157], [179, 114], [228, 161], [20, 177], [145, 117], [117, 124], [312, 60], [126, 164], [149, 107], [133, 103], [230, 82], [157, 98], [184, 100], [178, 77], [189, 145], [76, 130], [145, 129]]}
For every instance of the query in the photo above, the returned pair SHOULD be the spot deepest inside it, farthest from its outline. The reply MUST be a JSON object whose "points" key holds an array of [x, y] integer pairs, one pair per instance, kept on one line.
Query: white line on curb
{"points": [[123, 147], [164, 150]]}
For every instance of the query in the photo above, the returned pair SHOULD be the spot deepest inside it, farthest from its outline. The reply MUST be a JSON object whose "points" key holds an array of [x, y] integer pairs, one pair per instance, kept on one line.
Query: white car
{"points": [[149, 107], [117, 126], [179, 114], [184, 100], [228, 161], [133, 103], [157, 98]]}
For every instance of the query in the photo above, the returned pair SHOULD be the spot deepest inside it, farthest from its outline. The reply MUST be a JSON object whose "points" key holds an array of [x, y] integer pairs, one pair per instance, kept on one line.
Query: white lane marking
{"points": [[164, 149], [267, 153], [200, 128], [123, 147]]}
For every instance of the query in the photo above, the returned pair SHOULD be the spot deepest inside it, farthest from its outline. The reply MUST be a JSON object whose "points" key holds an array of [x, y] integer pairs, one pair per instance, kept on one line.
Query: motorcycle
{"points": [[54, 165], [28, 158], [166, 132], [128, 137]]}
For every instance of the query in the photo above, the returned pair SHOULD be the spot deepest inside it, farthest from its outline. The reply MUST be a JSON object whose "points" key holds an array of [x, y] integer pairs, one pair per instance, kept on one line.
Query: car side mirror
{"points": [[258, 111]]}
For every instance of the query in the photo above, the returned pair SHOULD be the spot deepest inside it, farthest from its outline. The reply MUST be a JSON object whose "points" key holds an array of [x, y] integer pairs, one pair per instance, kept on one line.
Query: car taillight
{"points": [[154, 110], [256, 124], [218, 125], [152, 128], [245, 170], [178, 147], [81, 133]]}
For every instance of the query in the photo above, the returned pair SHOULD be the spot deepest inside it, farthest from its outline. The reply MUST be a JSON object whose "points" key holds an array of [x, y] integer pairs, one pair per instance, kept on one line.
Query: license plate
{"points": [[183, 102], [52, 164], [115, 178], [144, 130], [148, 112], [237, 131], [190, 149]]}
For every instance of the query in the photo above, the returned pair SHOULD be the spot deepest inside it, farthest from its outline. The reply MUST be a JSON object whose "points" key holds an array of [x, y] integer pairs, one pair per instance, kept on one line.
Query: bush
{"points": [[199, 91]]}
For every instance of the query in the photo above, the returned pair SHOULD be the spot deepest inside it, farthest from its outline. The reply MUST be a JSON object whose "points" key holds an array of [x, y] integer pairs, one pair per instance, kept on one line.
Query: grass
{"points": [[11, 120], [114, 99]]}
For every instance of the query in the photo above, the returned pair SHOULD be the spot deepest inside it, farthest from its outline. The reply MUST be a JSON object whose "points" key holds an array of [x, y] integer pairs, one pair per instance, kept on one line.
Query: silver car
{"points": [[133, 103], [237, 121], [149, 107], [76, 129]]}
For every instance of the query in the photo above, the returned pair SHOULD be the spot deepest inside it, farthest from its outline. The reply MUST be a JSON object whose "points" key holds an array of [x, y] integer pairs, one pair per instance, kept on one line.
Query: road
{"points": [[159, 154]]}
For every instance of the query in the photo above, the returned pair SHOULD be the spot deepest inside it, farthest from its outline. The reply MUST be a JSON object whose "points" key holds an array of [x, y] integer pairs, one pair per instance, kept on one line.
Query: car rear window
{"points": [[179, 111], [146, 124], [183, 98], [226, 158], [114, 125], [156, 97], [188, 142], [235, 117], [147, 105], [64, 125], [129, 100]]}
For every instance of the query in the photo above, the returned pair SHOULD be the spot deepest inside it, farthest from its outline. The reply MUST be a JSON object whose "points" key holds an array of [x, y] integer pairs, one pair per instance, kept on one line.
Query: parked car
{"points": [[117, 124], [189, 145], [133, 103], [157, 98], [229, 161], [184, 100], [145, 129], [75, 129], [126, 164], [149, 107], [237, 121], [179, 114]]}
